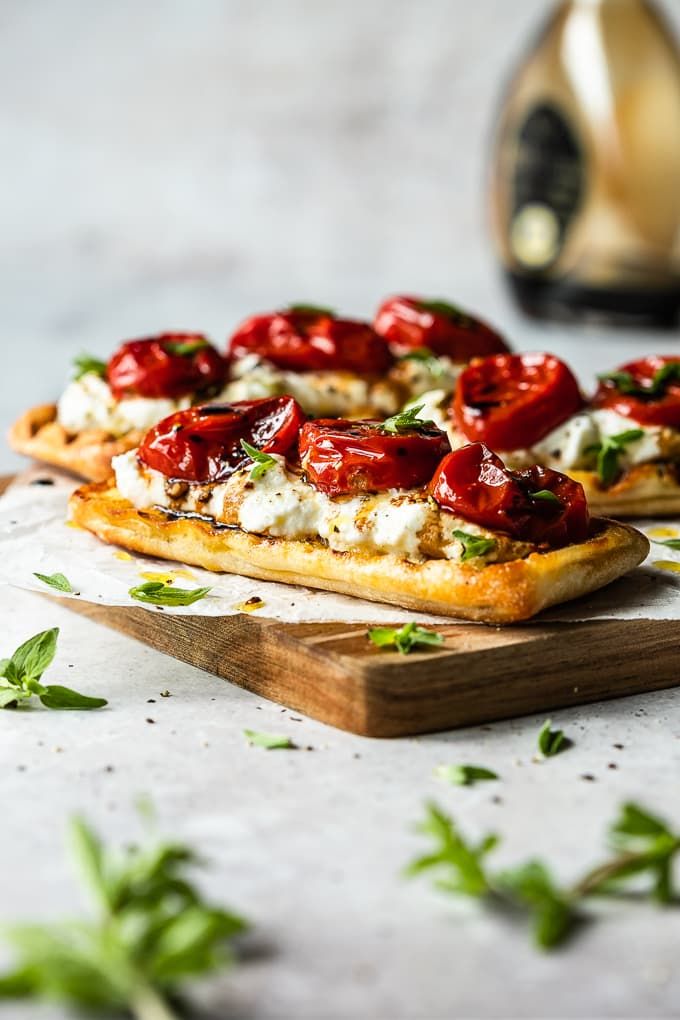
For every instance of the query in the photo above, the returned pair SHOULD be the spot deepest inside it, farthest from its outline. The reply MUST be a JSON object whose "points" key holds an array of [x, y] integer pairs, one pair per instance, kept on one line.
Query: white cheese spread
{"points": [[88, 403]]}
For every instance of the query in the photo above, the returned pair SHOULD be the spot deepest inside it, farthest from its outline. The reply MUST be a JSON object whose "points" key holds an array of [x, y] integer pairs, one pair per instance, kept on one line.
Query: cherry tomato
{"points": [[511, 401], [167, 365], [473, 482], [312, 340], [647, 390], [346, 457], [203, 444], [408, 323]]}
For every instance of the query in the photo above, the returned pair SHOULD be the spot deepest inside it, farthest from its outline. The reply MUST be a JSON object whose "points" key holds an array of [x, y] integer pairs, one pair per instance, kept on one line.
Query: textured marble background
{"points": [[172, 164]]}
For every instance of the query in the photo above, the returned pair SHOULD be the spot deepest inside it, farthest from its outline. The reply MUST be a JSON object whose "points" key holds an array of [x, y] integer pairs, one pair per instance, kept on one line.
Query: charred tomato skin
{"points": [[152, 367], [408, 323], [311, 341], [662, 410], [473, 482], [203, 444], [511, 401], [342, 458]]}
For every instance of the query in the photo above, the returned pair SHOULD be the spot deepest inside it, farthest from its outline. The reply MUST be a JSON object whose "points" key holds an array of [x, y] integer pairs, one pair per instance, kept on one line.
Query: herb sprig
{"points": [[625, 382], [20, 677], [474, 545], [86, 363], [157, 593], [609, 452], [57, 581], [153, 931], [643, 846], [551, 742], [405, 638], [406, 421], [263, 461]]}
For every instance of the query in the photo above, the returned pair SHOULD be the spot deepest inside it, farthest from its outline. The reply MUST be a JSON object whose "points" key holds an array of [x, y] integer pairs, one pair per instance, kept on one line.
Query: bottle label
{"points": [[548, 187]]}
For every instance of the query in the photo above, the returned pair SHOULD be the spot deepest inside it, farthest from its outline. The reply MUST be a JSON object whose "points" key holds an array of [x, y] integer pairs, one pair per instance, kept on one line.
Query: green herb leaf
{"points": [[552, 913], [31, 659], [154, 930], [670, 543], [474, 545], [545, 496], [9, 696], [445, 308], [186, 348], [461, 862], [85, 364], [263, 461], [551, 742], [159, 594], [406, 421], [625, 382], [56, 696], [609, 452], [464, 775], [404, 639], [305, 309], [58, 581], [270, 741]]}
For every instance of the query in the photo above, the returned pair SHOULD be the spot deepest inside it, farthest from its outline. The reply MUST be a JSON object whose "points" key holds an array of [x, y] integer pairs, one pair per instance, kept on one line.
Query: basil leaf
{"points": [[156, 593], [406, 421], [58, 581], [553, 916], [625, 382], [404, 639], [670, 543], [464, 775], [445, 308], [270, 741], [185, 348], [474, 545], [85, 364], [263, 461], [545, 496], [304, 309], [11, 695], [33, 657], [56, 696], [609, 451], [551, 742]]}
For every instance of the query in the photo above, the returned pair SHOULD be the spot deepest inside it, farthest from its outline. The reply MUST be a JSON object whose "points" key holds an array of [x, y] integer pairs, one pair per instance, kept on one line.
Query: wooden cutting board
{"points": [[333, 673]]}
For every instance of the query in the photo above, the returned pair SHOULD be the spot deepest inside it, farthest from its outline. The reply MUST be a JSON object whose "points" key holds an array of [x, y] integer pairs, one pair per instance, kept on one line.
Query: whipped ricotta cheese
{"points": [[88, 403], [280, 503], [320, 394]]}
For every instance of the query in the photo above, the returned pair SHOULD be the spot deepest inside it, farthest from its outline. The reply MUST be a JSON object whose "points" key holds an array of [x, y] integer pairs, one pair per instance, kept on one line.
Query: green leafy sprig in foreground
{"points": [[643, 848], [20, 677], [153, 931]]}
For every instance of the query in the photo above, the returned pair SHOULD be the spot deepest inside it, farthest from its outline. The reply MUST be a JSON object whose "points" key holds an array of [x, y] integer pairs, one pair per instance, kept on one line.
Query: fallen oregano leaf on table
{"points": [[464, 775], [153, 930], [157, 593], [20, 677], [57, 581], [643, 847], [552, 742], [270, 741]]}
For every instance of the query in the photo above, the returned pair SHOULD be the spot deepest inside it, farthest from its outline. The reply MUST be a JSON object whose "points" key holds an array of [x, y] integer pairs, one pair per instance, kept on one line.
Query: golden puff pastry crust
{"points": [[38, 434], [497, 593]]}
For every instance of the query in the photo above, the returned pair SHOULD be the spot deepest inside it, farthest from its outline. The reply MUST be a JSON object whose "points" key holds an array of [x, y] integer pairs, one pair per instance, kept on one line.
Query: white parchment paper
{"points": [[35, 538]]}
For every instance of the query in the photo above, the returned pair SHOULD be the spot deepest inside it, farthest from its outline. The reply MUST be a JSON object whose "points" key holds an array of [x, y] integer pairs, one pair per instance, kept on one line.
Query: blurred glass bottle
{"points": [[586, 174]]}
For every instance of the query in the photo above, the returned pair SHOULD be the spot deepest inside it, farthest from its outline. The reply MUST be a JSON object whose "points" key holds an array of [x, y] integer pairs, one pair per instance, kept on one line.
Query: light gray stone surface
{"points": [[171, 164]]}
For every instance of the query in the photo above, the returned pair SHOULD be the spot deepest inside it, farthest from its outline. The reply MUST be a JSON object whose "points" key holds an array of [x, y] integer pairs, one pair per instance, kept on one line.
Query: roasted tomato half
{"points": [[534, 505], [168, 365], [408, 323], [511, 401], [347, 457], [203, 444], [305, 339], [647, 390]]}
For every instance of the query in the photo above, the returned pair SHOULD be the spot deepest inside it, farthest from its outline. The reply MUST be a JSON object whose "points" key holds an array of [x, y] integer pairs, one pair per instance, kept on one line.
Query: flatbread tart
{"points": [[384, 512]]}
